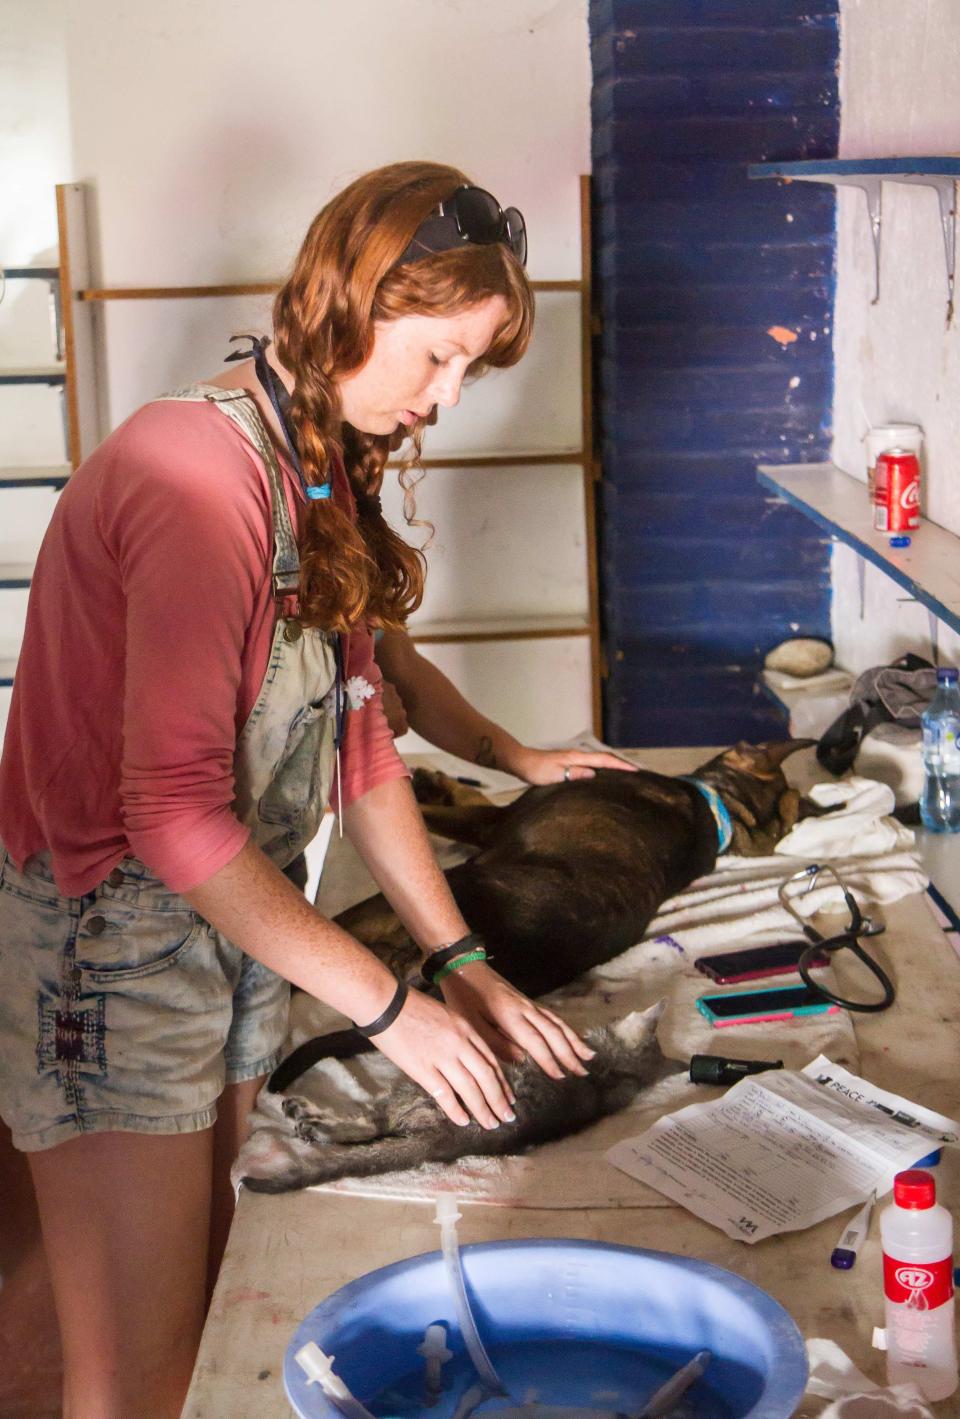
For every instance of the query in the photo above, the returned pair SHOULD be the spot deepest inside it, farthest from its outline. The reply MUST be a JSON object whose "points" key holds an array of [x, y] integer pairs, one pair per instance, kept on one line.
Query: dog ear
{"points": [[775, 751], [762, 761]]}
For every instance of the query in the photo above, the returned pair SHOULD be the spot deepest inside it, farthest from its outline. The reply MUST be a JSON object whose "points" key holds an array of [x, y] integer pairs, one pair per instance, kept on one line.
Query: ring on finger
{"points": [[566, 773]]}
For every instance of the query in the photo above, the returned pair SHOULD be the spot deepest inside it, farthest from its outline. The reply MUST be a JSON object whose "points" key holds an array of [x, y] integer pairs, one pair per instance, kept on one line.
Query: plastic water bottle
{"points": [[917, 1238], [940, 800]]}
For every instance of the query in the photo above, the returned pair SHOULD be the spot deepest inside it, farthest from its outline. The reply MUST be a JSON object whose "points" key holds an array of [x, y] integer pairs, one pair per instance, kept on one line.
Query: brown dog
{"points": [[568, 876]]}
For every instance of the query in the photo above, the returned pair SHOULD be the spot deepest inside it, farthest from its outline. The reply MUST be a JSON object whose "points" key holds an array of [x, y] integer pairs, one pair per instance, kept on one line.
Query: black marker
{"points": [[714, 1069]]}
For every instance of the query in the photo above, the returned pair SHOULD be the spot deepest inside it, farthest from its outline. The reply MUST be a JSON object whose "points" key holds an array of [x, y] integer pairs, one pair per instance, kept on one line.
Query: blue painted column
{"points": [[716, 351]]}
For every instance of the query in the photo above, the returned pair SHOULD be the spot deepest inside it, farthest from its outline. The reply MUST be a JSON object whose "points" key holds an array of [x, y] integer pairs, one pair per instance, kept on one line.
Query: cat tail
{"points": [[295, 1163], [339, 1044]]}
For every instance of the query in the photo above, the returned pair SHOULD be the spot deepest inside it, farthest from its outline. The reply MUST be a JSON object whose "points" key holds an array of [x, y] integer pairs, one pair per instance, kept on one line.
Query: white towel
{"points": [[735, 905], [738, 903], [858, 826]]}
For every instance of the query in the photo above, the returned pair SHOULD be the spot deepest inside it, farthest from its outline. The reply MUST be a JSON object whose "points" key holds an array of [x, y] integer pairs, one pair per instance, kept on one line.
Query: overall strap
{"points": [[280, 400], [242, 410]]}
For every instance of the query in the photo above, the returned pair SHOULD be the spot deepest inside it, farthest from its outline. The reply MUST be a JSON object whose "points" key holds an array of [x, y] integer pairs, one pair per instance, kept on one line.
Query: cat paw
{"points": [[312, 1130]]}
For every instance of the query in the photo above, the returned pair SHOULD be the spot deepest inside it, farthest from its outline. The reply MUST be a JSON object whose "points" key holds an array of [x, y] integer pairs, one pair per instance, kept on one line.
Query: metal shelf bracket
{"points": [[946, 190], [869, 174]]}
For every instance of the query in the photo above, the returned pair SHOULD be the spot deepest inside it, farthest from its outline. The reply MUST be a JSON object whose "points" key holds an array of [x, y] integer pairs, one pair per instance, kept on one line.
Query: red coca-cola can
{"points": [[896, 493]]}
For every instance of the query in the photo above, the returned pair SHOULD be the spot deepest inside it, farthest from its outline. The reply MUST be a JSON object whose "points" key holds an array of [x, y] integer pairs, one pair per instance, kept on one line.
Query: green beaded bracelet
{"points": [[451, 966]]}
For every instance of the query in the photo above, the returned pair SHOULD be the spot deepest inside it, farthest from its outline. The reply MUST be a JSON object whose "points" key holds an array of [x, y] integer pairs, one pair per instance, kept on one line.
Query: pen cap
{"points": [[931, 1160], [914, 1189]]}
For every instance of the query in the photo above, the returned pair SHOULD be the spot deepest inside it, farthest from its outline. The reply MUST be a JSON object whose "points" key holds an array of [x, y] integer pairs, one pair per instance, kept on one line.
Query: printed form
{"points": [[782, 1150]]}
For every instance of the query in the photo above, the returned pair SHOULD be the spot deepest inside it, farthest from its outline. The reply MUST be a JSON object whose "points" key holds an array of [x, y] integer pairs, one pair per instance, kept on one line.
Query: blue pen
{"points": [[844, 1254]]}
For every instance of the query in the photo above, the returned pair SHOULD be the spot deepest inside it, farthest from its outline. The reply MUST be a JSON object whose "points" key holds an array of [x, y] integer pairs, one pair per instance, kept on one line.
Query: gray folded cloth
{"points": [[904, 694], [897, 693]]}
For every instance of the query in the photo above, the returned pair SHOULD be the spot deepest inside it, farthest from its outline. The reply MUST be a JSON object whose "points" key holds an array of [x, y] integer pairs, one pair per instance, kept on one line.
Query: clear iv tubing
{"points": [[447, 1218]]}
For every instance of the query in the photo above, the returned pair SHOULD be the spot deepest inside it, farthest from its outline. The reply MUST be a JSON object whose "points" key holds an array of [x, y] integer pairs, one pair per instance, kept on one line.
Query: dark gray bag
{"points": [[897, 693]]}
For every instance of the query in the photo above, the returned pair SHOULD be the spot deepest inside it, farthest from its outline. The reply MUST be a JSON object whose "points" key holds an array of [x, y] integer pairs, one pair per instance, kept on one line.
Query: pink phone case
{"points": [[829, 1009]]}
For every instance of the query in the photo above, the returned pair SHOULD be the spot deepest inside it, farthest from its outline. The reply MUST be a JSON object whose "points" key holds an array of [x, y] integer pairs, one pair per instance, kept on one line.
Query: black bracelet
{"points": [[386, 1019], [440, 958]]}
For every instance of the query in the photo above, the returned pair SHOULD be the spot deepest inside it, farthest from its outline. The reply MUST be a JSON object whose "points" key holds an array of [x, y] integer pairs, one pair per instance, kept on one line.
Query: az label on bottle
{"points": [[922, 1287]]}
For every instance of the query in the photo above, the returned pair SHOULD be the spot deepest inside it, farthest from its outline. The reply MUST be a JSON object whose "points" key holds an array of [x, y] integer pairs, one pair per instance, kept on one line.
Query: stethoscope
{"points": [[860, 925]]}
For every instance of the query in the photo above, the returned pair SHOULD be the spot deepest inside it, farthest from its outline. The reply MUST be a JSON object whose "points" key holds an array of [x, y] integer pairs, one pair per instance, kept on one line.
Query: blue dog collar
{"points": [[717, 807]]}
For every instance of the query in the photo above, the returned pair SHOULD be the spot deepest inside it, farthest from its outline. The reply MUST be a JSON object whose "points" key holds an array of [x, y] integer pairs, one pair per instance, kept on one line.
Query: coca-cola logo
{"points": [[914, 1278], [910, 497]]}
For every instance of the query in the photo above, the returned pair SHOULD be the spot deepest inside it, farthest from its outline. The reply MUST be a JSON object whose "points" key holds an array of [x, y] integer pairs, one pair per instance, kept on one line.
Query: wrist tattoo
{"points": [[485, 755]]}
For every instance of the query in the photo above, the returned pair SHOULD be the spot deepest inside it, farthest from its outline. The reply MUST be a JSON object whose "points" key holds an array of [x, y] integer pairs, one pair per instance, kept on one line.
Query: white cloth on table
{"points": [[834, 1376], [736, 903]]}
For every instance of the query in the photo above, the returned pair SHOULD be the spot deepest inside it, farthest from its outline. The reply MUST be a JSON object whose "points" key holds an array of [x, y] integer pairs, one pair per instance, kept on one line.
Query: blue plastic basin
{"points": [[648, 1311]]}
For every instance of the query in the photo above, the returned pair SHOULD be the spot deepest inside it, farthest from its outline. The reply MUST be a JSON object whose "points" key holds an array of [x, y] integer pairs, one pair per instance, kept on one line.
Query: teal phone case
{"points": [[771, 1013]]}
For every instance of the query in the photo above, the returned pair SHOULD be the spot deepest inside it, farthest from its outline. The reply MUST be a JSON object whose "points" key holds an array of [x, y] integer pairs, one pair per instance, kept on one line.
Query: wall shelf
{"points": [[15, 575], [526, 458], [33, 374], [71, 372], [49, 274], [54, 477], [30, 273], [868, 176], [812, 705], [236, 288], [929, 569], [505, 629]]}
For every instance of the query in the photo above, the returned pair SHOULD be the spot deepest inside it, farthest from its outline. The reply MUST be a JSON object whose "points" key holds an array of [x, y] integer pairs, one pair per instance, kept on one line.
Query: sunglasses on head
{"points": [[471, 215]]}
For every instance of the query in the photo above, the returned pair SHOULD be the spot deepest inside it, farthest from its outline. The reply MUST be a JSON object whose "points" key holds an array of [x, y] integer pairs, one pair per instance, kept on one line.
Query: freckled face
{"points": [[417, 362]]}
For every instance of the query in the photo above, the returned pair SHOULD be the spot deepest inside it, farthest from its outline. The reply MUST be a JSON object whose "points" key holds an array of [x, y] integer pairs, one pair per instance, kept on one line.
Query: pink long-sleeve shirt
{"points": [[148, 632]]}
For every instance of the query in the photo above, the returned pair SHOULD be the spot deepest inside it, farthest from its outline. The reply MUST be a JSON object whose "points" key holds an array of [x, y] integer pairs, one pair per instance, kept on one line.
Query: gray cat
{"points": [[404, 1128]]}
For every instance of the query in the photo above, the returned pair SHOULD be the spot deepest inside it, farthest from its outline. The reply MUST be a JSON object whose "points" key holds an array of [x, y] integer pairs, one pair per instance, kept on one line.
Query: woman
{"points": [[197, 664]]}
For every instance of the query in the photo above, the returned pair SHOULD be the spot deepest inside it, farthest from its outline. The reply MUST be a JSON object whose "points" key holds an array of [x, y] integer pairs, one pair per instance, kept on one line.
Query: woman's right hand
{"points": [[446, 1056]]}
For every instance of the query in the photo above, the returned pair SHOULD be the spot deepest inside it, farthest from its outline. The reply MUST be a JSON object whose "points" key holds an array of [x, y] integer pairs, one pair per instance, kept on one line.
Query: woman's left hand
{"points": [[512, 1024], [540, 766]]}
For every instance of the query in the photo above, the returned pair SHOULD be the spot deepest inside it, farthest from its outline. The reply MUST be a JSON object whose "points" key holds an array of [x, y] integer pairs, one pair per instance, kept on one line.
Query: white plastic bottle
{"points": [[917, 1237]]}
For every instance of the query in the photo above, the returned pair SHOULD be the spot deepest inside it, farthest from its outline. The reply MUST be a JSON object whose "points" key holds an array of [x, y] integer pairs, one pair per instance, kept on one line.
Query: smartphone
{"points": [[775, 960], [744, 1007]]}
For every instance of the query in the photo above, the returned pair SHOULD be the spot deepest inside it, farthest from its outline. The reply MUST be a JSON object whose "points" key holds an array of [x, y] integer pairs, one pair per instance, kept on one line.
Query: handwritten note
{"points": [[783, 1150]]}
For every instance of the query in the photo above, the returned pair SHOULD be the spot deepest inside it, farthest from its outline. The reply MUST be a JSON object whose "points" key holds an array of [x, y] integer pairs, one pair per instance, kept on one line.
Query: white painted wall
{"points": [[34, 156], [895, 360], [210, 136]]}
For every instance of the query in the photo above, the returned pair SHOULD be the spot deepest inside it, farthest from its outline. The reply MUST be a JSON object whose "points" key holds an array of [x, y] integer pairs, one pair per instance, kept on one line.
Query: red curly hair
{"points": [[346, 278]]}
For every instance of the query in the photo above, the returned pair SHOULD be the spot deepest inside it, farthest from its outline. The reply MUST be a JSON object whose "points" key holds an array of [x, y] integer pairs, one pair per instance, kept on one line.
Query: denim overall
{"points": [[285, 754], [124, 1008]]}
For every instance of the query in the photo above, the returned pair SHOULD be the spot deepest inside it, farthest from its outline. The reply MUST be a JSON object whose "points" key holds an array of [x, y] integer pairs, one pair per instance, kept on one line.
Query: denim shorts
{"points": [[122, 1009]]}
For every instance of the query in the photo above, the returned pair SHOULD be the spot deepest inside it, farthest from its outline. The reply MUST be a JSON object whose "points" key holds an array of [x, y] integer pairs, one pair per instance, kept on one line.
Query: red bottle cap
{"points": [[915, 1189]]}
